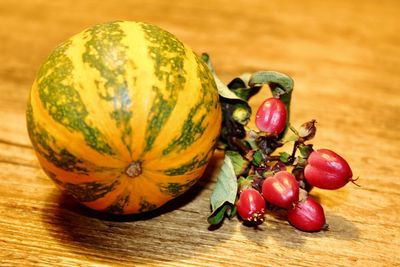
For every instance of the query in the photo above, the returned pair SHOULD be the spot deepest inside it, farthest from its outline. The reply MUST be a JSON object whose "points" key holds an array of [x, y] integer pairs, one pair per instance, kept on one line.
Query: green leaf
{"points": [[239, 163], [301, 162], [291, 138], [227, 210], [232, 212], [240, 87], [225, 191], [245, 77], [258, 158], [251, 139], [244, 93], [237, 83], [284, 157], [245, 183], [224, 91], [284, 83], [218, 215], [305, 150]]}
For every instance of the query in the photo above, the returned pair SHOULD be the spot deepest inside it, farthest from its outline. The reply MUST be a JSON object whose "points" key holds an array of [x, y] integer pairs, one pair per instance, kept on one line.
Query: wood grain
{"points": [[345, 59]]}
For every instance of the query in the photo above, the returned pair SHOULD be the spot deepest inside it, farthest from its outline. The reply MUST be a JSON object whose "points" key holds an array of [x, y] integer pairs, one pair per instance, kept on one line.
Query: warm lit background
{"points": [[345, 59]]}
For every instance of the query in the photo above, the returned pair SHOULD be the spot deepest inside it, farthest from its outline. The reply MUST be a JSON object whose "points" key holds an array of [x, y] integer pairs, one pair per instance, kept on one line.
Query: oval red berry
{"points": [[251, 205], [327, 170], [281, 190], [307, 215], [271, 116]]}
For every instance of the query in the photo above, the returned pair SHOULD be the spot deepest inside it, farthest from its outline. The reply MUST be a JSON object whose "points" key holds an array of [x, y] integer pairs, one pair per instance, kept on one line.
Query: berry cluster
{"points": [[284, 181], [258, 176]]}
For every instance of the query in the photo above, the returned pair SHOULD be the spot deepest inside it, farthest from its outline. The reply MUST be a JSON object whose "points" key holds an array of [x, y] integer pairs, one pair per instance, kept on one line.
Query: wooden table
{"points": [[345, 59]]}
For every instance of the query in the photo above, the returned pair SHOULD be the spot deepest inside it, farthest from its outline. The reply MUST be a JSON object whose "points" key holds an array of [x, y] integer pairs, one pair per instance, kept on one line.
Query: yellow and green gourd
{"points": [[124, 117]]}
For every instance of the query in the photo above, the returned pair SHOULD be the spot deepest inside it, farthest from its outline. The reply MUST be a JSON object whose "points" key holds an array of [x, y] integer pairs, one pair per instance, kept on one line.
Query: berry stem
{"points": [[292, 156], [293, 129], [240, 145], [354, 181]]}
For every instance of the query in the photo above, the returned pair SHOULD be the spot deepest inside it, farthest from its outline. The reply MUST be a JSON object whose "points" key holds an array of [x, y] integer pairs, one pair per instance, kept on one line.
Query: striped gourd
{"points": [[124, 117]]}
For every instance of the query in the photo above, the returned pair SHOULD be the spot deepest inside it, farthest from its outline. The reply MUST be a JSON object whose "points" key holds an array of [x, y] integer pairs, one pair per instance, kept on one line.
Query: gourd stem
{"points": [[134, 169]]}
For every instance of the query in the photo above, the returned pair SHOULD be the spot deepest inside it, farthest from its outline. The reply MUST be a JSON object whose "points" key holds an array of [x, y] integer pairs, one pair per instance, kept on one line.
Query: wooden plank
{"points": [[345, 59]]}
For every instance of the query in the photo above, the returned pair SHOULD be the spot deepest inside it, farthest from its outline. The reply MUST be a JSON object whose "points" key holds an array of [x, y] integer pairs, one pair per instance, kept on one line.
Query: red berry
{"points": [[307, 215], [281, 190], [251, 205], [271, 116], [327, 170]]}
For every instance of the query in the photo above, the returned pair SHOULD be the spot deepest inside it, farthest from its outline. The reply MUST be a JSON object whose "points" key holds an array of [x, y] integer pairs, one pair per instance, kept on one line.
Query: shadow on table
{"points": [[176, 230], [341, 228], [276, 227]]}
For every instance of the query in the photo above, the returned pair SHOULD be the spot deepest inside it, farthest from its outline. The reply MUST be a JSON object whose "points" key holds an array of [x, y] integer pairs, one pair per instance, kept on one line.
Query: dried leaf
{"points": [[224, 195], [223, 90], [239, 163]]}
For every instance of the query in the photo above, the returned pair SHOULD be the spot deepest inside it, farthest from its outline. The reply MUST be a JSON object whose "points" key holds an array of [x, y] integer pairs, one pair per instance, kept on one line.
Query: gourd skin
{"points": [[124, 117]]}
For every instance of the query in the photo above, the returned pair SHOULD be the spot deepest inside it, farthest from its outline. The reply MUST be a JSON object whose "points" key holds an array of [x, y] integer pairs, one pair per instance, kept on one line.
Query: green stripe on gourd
{"points": [[62, 100], [160, 111], [53, 177], [208, 86], [168, 55], [105, 42], [176, 189], [195, 163], [189, 166], [90, 191], [118, 206], [193, 129], [43, 143], [146, 205], [190, 132]]}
